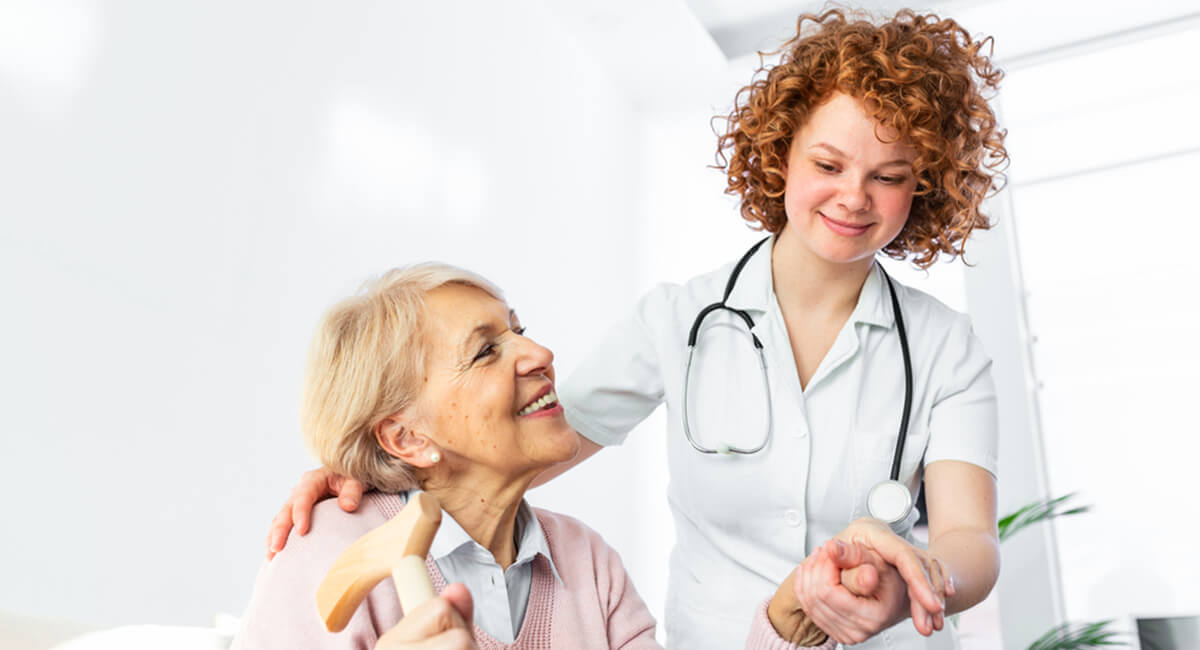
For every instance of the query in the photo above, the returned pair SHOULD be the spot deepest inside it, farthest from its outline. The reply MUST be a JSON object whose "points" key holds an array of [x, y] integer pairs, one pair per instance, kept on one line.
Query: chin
{"points": [[843, 256], [570, 446], [567, 445]]}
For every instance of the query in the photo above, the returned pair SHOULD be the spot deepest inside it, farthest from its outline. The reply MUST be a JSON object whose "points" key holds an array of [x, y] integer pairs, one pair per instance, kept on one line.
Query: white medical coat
{"points": [[744, 522]]}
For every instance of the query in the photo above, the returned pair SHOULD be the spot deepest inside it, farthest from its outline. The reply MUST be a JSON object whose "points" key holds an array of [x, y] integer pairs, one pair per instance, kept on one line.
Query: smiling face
{"points": [[848, 193], [488, 394]]}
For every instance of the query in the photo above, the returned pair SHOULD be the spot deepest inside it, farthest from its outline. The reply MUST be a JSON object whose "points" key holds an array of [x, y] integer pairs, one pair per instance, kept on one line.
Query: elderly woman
{"points": [[426, 381]]}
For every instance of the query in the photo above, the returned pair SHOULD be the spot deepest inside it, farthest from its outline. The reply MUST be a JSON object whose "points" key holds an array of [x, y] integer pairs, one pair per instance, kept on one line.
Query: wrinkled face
{"points": [[848, 193], [488, 396]]}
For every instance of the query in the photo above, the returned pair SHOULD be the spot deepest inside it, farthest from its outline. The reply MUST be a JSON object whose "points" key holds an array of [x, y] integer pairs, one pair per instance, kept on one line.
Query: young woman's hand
{"points": [[849, 591], [442, 623], [858, 576], [926, 580], [314, 486]]}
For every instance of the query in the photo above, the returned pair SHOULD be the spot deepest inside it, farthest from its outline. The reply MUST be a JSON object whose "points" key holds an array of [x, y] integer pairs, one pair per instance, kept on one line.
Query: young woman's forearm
{"points": [[962, 529], [972, 557]]}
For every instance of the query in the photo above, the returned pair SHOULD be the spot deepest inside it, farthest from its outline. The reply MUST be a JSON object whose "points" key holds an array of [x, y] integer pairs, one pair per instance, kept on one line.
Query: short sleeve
{"points": [[621, 382], [963, 421]]}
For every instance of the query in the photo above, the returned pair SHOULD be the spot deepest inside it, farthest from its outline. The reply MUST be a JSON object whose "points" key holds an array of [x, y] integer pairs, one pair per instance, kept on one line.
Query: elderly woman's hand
{"points": [[442, 623], [788, 617], [314, 486], [925, 578]]}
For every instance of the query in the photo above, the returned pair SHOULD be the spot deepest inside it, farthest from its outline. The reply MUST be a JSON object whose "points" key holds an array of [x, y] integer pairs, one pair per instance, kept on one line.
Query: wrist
{"points": [[790, 621], [796, 628]]}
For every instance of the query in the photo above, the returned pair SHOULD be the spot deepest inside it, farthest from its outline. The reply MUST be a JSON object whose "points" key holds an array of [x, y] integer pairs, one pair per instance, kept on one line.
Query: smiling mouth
{"points": [[844, 228], [543, 403]]}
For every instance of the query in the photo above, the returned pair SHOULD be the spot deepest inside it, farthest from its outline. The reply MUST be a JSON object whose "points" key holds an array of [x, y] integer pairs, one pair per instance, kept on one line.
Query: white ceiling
{"points": [[742, 27], [669, 54]]}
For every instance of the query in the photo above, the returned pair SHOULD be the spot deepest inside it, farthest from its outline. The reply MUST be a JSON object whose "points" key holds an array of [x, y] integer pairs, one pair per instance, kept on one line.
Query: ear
{"points": [[398, 437]]}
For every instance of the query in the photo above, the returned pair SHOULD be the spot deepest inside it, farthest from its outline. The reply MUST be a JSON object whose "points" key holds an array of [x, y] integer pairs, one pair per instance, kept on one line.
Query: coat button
{"points": [[792, 518]]}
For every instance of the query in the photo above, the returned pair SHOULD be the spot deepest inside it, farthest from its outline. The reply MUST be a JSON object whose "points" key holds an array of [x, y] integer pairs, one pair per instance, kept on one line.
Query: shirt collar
{"points": [[451, 538], [874, 301], [755, 290]]}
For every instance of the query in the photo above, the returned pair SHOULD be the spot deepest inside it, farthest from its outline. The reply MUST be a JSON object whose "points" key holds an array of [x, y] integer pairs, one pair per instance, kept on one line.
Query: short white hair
{"points": [[365, 363]]}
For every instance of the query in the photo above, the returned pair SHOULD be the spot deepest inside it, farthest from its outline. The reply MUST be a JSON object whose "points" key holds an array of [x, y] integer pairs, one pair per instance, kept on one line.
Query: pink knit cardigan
{"points": [[595, 606]]}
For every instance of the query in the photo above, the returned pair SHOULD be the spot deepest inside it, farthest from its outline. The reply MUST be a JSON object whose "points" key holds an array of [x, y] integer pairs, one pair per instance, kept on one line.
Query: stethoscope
{"points": [[889, 501]]}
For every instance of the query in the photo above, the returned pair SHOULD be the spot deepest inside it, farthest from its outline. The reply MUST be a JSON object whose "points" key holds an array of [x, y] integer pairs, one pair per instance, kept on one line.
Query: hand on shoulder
{"points": [[315, 486]]}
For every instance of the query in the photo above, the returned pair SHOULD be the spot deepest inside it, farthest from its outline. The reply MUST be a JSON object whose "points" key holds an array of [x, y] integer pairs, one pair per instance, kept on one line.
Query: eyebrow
{"points": [[838, 152]]}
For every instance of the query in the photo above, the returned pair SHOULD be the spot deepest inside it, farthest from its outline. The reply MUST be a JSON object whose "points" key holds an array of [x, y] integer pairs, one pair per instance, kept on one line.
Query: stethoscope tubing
{"points": [[908, 381], [693, 334]]}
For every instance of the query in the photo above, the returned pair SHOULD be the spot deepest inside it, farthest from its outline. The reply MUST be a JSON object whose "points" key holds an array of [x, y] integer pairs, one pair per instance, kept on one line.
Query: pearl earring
{"points": [[435, 457]]}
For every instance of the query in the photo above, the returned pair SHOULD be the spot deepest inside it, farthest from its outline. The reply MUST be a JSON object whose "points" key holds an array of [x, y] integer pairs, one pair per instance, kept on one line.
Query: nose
{"points": [[852, 195], [533, 359]]}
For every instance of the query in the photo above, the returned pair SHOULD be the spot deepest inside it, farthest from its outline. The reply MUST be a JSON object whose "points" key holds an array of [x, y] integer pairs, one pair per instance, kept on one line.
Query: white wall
{"points": [[1106, 233], [186, 186]]}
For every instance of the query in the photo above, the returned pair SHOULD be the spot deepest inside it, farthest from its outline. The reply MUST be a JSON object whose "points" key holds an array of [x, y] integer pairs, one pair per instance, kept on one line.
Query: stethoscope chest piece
{"points": [[890, 502]]}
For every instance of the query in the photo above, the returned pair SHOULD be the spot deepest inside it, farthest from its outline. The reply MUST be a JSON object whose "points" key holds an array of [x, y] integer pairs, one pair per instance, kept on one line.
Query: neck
{"points": [[486, 509], [805, 281]]}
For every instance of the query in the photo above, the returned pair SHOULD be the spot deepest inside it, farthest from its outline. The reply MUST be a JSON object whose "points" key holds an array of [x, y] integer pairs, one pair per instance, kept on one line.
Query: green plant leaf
{"points": [[1070, 636], [1038, 511]]}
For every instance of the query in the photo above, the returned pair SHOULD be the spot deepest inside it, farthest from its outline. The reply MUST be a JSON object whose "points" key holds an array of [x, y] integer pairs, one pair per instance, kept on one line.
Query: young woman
{"points": [[805, 389]]}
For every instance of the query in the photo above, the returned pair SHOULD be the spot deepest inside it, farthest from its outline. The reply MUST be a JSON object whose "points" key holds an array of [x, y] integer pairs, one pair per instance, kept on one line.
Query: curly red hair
{"points": [[918, 74]]}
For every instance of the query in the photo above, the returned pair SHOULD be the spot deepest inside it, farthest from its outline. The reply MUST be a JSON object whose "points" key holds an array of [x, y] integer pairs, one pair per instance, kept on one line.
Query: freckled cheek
{"points": [[450, 423], [805, 193], [479, 426], [799, 202], [896, 206]]}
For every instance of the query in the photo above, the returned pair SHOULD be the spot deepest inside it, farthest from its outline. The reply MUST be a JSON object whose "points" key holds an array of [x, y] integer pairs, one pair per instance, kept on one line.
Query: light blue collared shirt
{"points": [[500, 596]]}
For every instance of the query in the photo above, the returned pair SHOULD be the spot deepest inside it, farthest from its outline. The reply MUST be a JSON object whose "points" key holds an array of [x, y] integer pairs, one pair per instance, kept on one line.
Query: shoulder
{"points": [[920, 305], [564, 530], [573, 544], [591, 571], [669, 301], [931, 320], [282, 609], [945, 346], [333, 529]]}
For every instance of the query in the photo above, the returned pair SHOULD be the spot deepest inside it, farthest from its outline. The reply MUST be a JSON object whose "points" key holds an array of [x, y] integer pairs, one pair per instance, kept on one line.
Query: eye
{"points": [[487, 351], [518, 330], [825, 167], [890, 180]]}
